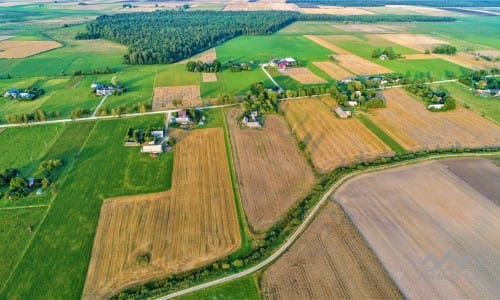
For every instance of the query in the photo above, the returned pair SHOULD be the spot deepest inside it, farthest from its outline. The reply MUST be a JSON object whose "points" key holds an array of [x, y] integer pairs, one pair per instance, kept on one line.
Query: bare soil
{"points": [[209, 77]]}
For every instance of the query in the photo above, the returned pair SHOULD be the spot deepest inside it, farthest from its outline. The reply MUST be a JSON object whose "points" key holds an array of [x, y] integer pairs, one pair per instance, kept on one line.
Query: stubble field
{"points": [[434, 232], [303, 75], [358, 65], [272, 173], [164, 96], [144, 237], [331, 141], [415, 128], [419, 42], [20, 49], [333, 70], [329, 261]]}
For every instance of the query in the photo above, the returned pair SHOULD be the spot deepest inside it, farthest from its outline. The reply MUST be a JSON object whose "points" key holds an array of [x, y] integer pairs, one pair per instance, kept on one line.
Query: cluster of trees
{"points": [[199, 66], [306, 91], [140, 135], [169, 36], [238, 67], [432, 3], [359, 91], [445, 49], [260, 99], [389, 52], [374, 18], [107, 70], [481, 79], [80, 113], [39, 115], [433, 96]]}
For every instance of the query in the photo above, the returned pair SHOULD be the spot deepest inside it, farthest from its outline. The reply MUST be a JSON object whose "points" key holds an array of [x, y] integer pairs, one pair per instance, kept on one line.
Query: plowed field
{"points": [[144, 237]]}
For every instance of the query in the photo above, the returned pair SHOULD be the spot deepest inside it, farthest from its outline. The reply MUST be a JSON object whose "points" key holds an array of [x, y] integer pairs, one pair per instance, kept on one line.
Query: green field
{"points": [[312, 28], [245, 288], [487, 106], [381, 134]]}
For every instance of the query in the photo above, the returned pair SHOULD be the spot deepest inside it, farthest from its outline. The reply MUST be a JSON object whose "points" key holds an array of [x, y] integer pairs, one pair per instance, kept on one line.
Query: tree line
{"points": [[432, 3], [374, 18], [169, 36]]}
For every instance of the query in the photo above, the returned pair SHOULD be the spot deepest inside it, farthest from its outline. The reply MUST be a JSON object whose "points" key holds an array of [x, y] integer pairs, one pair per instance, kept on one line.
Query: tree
{"points": [[449, 103], [114, 81]]}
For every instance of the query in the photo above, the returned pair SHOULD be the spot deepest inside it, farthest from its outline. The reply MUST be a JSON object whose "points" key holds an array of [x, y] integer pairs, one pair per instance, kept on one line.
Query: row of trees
{"points": [[389, 52], [374, 18], [208, 67], [106, 70], [438, 95], [170, 36], [435, 3], [38, 116], [445, 49]]}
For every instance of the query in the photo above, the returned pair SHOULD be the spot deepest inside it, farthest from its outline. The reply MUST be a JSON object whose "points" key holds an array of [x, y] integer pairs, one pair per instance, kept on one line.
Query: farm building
{"points": [[182, 117], [282, 63], [352, 103], [343, 114], [103, 90], [153, 149], [250, 124], [11, 93], [435, 106], [383, 57], [157, 134]]}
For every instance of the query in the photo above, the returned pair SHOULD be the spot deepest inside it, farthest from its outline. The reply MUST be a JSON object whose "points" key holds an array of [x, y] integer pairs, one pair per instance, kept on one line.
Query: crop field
{"points": [[303, 75], [436, 238], [326, 44], [190, 225], [164, 96], [272, 173], [418, 42], [372, 28], [329, 261], [469, 61], [245, 288], [309, 28], [331, 141], [359, 65], [411, 10], [20, 49], [333, 70], [209, 77], [336, 10], [414, 127]]}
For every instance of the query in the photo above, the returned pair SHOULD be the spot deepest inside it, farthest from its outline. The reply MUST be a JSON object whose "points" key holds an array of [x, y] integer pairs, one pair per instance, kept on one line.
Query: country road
{"points": [[292, 238]]}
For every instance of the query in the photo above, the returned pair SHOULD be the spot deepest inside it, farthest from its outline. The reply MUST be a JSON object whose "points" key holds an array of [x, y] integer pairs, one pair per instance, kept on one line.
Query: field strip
{"points": [[325, 44], [24, 207], [292, 238]]}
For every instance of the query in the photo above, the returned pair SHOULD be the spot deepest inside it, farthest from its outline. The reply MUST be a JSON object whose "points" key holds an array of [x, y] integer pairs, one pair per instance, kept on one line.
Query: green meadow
{"points": [[245, 288]]}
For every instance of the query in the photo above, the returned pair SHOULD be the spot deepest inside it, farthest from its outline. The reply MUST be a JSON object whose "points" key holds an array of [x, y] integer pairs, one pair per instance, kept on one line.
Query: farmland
{"points": [[164, 96], [415, 128], [272, 174], [245, 288], [425, 232], [359, 65], [20, 49], [330, 141], [190, 225], [303, 75], [333, 70], [329, 261]]}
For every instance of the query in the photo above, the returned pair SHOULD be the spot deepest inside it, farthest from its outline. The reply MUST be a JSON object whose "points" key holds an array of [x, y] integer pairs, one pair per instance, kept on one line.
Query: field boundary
{"points": [[384, 137]]}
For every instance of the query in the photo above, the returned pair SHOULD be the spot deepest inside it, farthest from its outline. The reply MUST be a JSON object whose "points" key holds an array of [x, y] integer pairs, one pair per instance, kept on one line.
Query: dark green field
{"points": [[245, 288]]}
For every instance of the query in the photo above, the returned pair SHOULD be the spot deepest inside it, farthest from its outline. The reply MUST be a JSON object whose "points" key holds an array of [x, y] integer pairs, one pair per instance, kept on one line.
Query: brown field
{"points": [[272, 173], [418, 56], [303, 75], [164, 96], [190, 225], [329, 261], [469, 61], [332, 142], [207, 56], [359, 65], [20, 49], [491, 53], [372, 28], [435, 234], [325, 44], [415, 128], [419, 42], [209, 77], [333, 70], [336, 10], [422, 10]]}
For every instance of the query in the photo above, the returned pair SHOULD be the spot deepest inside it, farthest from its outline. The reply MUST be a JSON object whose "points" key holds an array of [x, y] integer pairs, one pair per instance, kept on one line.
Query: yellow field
{"points": [[326, 44], [337, 10], [145, 237], [332, 142], [469, 61], [419, 42], [333, 70], [415, 128], [164, 96], [20, 49], [359, 65], [303, 75]]}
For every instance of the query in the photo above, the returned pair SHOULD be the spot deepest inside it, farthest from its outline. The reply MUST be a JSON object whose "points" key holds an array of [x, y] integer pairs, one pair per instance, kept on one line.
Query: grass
{"points": [[487, 106], [234, 83], [436, 67], [381, 134], [103, 168], [175, 75], [363, 46], [310, 28], [245, 288]]}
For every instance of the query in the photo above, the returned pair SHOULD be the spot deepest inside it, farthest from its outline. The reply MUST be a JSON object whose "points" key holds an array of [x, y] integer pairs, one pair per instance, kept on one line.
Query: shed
{"points": [[435, 106], [155, 149], [340, 112]]}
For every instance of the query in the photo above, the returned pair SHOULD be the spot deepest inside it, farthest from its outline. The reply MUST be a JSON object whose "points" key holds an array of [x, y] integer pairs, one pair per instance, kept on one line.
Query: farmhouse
{"points": [[157, 134], [383, 57], [103, 90], [153, 149], [182, 117], [282, 63], [12, 93], [341, 113], [250, 124]]}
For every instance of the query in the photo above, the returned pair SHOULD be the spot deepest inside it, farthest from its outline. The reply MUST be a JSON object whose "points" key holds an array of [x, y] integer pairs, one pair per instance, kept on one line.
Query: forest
{"points": [[169, 36], [433, 3], [374, 18]]}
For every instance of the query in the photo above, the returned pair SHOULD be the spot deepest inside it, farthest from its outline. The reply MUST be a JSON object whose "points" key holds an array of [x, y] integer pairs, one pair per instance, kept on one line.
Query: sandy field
{"points": [[303, 75], [415, 128], [435, 234], [419, 42], [490, 53], [331, 142], [329, 261], [20, 49], [333, 70], [209, 77], [164, 96], [145, 237], [336, 10], [373, 28], [326, 44], [272, 173], [361, 66]]}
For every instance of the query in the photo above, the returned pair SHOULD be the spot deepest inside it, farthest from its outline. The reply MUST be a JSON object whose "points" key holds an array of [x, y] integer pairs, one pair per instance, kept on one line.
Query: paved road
{"points": [[272, 79], [292, 238]]}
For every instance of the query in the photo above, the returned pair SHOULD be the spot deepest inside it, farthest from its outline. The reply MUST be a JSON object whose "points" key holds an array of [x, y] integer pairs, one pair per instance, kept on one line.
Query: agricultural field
{"points": [[469, 60], [417, 42], [372, 28], [424, 231], [21, 49], [245, 288], [209, 77], [358, 65], [303, 75], [331, 142], [333, 70], [329, 261], [164, 97], [190, 225], [272, 174], [336, 10], [410, 10], [415, 128]]}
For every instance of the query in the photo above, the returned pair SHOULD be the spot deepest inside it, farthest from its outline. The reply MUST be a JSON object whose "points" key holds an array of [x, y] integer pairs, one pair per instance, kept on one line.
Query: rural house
{"points": [[352, 103], [341, 113], [182, 117], [250, 124], [435, 106], [103, 90], [11, 93]]}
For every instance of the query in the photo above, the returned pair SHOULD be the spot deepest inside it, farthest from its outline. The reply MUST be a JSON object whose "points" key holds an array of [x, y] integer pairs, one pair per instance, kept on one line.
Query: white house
{"points": [[25, 95], [246, 123], [157, 134]]}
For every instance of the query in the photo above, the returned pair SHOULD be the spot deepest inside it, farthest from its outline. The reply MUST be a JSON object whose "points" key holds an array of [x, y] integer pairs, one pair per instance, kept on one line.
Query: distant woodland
{"points": [[169, 36], [434, 3]]}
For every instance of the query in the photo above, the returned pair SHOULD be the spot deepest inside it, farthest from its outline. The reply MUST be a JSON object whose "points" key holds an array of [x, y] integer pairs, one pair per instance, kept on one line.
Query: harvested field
{"points": [[209, 77], [326, 44], [491, 53], [435, 234], [418, 56], [336, 10], [415, 128], [422, 10], [272, 173], [164, 96], [333, 70], [419, 42], [303, 75], [20, 49], [372, 28], [331, 142], [361, 66], [206, 57], [144, 237], [329, 261], [469, 61]]}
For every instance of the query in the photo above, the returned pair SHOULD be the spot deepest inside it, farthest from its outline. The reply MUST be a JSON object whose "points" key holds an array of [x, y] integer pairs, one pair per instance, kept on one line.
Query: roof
{"points": [[152, 149]]}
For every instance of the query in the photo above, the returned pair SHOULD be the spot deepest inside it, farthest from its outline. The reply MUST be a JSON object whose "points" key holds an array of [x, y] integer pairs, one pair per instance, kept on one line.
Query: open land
{"points": [[415, 128], [434, 230], [324, 43], [419, 42], [333, 70], [303, 75], [359, 65], [336, 10], [164, 96], [329, 261], [373, 28], [272, 173], [209, 77], [20, 49], [144, 237], [469, 61], [331, 142]]}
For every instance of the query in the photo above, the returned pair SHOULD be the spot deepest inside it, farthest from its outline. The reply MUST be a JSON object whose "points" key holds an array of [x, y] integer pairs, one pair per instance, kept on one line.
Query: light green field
{"points": [[312, 28], [176, 75], [436, 67], [234, 83], [364, 46], [245, 288]]}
